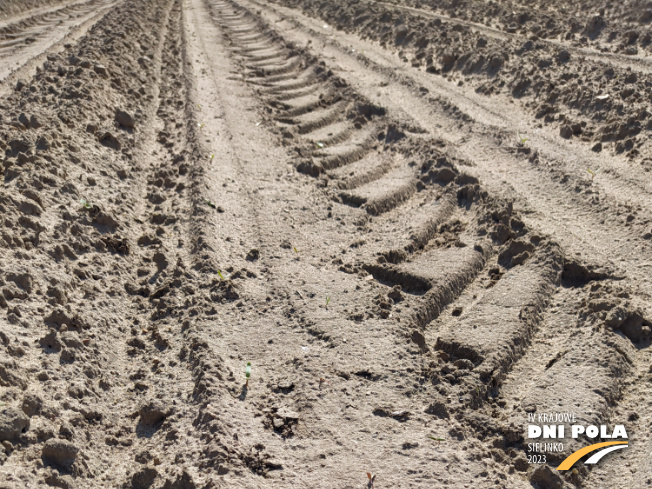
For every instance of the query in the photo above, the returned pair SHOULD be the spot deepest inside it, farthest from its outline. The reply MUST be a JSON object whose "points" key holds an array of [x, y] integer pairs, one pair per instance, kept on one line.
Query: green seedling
{"points": [[212, 156], [372, 479], [320, 145], [592, 172], [247, 373], [328, 299], [210, 204], [200, 125], [199, 106], [522, 140], [438, 440], [295, 249], [85, 204]]}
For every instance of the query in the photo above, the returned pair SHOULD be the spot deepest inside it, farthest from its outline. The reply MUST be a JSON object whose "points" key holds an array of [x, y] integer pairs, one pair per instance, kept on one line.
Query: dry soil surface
{"points": [[418, 221]]}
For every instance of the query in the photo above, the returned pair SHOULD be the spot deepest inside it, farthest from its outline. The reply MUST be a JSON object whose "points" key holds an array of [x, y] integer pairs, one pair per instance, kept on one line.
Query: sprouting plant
{"points": [[328, 299], [320, 145], [85, 204], [372, 479], [438, 440], [593, 172], [212, 155], [295, 249], [522, 140], [210, 204], [247, 373], [200, 125], [199, 106]]}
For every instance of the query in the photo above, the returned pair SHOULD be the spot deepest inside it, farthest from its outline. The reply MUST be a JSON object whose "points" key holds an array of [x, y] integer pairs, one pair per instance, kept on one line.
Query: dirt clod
{"points": [[153, 413], [60, 453], [13, 422]]}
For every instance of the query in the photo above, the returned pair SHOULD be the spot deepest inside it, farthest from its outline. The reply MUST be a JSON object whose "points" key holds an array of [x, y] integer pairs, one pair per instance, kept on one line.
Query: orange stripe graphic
{"points": [[575, 456]]}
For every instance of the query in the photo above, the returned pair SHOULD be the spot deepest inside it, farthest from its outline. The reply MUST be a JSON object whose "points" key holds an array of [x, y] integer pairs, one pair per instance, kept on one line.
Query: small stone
{"points": [[66, 431], [287, 415], [566, 132], [35, 121], [101, 70], [8, 446], [464, 363], [20, 84], [124, 119], [13, 422]]}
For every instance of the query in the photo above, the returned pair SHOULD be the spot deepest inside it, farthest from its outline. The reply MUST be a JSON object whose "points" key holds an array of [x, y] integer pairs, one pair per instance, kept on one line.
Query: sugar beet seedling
{"points": [[247, 373], [372, 478], [438, 440]]}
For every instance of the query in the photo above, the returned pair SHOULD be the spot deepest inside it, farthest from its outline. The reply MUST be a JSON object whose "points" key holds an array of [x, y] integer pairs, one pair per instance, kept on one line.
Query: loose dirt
{"points": [[419, 223]]}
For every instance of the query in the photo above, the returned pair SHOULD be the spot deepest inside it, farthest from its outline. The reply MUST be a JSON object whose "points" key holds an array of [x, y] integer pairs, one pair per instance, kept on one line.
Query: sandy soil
{"points": [[415, 220]]}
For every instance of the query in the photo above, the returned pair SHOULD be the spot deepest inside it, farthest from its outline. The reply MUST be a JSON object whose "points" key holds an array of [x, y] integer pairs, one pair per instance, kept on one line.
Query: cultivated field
{"points": [[419, 221]]}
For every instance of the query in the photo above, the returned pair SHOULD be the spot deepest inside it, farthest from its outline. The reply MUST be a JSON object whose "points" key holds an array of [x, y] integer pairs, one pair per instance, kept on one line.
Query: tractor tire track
{"points": [[549, 277]]}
